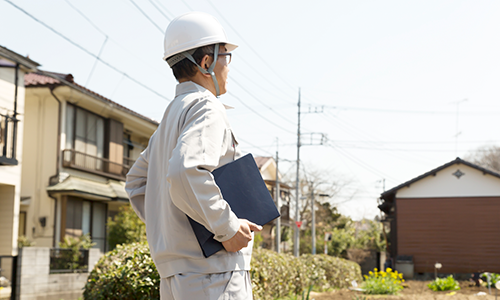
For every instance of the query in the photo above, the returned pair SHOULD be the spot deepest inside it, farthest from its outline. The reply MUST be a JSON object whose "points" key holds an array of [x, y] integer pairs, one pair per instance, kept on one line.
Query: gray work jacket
{"points": [[172, 178]]}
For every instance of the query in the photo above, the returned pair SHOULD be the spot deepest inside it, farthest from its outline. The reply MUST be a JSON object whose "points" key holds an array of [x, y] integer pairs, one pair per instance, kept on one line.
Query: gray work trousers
{"points": [[234, 285]]}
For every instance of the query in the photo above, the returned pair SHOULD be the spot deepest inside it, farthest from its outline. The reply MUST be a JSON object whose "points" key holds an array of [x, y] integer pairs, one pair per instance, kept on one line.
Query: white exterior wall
{"points": [[10, 176], [472, 184]]}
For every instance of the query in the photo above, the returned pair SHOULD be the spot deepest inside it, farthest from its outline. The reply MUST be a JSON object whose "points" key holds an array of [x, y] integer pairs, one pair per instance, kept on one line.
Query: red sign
{"points": [[299, 223]]}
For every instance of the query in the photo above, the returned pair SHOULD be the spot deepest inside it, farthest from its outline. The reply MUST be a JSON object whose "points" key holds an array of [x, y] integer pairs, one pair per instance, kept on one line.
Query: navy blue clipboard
{"points": [[244, 189]]}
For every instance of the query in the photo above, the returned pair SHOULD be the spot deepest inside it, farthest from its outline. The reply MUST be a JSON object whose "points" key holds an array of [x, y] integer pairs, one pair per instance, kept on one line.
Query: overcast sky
{"points": [[397, 87]]}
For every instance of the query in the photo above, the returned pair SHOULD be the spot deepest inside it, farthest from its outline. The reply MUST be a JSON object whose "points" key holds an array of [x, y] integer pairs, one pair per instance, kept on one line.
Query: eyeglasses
{"points": [[227, 56]]}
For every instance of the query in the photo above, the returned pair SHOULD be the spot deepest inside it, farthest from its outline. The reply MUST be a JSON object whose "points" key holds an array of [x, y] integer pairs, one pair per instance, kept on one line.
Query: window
{"points": [[93, 143], [86, 217], [85, 135]]}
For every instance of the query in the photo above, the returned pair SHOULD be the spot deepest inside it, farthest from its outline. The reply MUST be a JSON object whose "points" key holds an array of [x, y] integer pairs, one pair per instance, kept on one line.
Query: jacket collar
{"points": [[191, 87]]}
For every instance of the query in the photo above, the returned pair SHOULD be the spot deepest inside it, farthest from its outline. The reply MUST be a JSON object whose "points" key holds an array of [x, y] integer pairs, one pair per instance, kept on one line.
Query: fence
{"points": [[68, 261], [95, 164]]}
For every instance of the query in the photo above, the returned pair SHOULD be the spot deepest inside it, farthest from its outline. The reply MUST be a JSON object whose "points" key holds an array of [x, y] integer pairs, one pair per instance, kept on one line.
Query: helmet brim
{"points": [[229, 46]]}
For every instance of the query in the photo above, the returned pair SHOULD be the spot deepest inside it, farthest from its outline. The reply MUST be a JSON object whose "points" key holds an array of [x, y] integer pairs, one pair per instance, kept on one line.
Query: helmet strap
{"points": [[210, 70]]}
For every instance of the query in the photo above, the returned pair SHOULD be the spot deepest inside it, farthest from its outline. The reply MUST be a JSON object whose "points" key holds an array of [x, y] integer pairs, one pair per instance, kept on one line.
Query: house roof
{"points": [[261, 160], [22, 60], [49, 79], [392, 192], [111, 190]]}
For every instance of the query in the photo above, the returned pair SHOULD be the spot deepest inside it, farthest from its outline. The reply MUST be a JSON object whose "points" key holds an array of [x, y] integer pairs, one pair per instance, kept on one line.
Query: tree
{"points": [[487, 157], [125, 228]]}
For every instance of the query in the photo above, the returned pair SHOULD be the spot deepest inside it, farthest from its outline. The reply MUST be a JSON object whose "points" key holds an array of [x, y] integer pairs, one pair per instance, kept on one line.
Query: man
{"points": [[172, 177]]}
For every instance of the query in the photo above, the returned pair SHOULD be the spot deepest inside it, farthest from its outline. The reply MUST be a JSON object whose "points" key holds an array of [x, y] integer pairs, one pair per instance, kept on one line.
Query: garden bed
{"points": [[414, 290]]}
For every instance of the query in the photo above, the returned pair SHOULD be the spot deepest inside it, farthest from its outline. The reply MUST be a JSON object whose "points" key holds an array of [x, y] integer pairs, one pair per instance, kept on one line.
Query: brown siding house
{"points": [[449, 215]]}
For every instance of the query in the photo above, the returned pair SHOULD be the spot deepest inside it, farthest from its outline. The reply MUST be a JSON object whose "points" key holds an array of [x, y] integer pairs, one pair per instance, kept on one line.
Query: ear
{"points": [[206, 62]]}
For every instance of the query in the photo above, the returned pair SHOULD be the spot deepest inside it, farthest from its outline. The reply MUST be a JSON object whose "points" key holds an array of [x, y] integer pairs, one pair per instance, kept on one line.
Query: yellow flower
{"points": [[375, 269], [389, 270], [371, 273]]}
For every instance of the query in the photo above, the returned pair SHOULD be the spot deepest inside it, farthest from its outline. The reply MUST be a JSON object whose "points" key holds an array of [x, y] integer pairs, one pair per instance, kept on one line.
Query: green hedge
{"points": [[279, 275], [339, 272], [128, 272]]}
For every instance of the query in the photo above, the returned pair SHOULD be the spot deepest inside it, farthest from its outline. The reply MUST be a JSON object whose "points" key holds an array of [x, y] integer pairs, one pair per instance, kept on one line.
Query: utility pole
{"points": [[278, 204], [313, 225], [297, 196], [296, 243]]}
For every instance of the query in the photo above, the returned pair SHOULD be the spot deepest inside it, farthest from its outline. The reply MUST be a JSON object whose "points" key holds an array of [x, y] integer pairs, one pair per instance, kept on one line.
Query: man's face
{"points": [[221, 70]]}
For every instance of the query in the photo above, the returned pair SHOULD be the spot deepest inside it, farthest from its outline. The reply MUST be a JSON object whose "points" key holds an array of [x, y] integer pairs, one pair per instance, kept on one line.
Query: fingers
{"points": [[253, 226]]}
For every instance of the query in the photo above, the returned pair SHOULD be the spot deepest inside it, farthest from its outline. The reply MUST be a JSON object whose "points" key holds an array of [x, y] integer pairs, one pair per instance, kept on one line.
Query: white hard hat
{"points": [[194, 30]]}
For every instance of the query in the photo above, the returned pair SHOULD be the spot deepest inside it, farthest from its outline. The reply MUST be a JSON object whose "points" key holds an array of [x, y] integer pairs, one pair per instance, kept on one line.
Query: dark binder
{"points": [[242, 187]]}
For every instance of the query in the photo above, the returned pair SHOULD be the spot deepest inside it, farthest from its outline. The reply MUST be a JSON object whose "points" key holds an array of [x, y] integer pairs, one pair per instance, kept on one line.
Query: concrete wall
{"points": [[35, 282]]}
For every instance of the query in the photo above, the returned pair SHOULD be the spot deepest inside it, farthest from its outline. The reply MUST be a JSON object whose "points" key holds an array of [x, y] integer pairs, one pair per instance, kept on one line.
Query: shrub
{"points": [[128, 272], [339, 273], [279, 275], [383, 283], [125, 228], [444, 284], [494, 278], [23, 241]]}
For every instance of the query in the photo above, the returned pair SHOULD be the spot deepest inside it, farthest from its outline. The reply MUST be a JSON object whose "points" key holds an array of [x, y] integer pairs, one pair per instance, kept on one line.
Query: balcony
{"points": [[97, 165], [8, 137]]}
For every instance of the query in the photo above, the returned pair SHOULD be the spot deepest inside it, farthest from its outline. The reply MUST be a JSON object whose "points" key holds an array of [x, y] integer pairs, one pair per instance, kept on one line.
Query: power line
{"points": [[88, 52], [257, 147], [400, 111], [159, 10], [266, 119], [267, 81], [95, 63], [85, 17], [361, 163], [147, 17], [112, 40], [171, 14], [185, 3], [258, 100], [250, 47], [355, 131]]}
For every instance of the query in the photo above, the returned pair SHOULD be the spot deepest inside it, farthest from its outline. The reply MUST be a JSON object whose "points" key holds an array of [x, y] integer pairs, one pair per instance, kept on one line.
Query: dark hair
{"points": [[185, 68]]}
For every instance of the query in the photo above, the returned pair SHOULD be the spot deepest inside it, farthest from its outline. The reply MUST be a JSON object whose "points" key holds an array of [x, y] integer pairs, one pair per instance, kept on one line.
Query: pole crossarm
{"points": [[315, 139]]}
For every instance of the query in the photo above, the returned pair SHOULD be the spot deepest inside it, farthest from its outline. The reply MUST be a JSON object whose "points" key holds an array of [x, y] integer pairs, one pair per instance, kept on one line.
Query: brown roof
{"points": [[261, 160], [48, 79], [36, 79]]}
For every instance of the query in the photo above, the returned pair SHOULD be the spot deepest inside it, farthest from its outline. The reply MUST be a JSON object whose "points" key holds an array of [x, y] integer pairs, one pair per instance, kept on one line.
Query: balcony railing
{"points": [[98, 165], [8, 132]]}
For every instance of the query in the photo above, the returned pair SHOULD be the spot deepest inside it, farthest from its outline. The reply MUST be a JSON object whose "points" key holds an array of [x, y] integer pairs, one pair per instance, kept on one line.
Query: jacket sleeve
{"points": [[135, 185], [201, 143]]}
